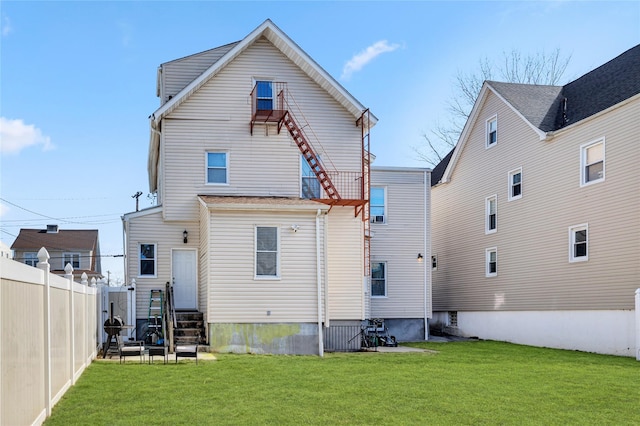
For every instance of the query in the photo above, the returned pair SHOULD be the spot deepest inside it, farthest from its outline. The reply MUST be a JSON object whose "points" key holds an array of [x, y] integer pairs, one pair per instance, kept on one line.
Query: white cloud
{"points": [[367, 55], [6, 26], [15, 136], [3, 209]]}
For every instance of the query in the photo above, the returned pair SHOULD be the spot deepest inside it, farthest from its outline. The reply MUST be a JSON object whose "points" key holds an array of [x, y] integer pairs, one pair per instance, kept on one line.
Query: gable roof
{"points": [[548, 109], [283, 43], [66, 240]]}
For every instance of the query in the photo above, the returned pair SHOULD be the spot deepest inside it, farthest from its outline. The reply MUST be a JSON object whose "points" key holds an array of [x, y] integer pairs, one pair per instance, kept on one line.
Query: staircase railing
{"points": [[170, 315]]}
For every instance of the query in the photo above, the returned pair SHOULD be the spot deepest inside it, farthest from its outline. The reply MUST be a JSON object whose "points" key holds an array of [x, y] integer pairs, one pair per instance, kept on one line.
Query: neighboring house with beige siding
{"points": [[536, 214], [260, 162], [400, 250]]}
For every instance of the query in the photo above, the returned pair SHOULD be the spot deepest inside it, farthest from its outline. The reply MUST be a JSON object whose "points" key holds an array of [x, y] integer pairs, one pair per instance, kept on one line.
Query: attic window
{"points": [[264, 95], [492, 131]]}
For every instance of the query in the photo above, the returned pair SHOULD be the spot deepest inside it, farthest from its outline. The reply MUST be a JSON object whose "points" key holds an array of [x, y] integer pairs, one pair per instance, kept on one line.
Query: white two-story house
{"points": [[536, 214], [260, 162]]}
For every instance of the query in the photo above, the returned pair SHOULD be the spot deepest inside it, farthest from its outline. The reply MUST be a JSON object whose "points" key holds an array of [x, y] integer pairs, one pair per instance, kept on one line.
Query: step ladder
{"points": [[156, 314]]}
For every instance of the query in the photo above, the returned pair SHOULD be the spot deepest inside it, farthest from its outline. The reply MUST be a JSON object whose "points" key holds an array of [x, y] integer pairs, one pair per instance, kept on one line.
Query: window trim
{"points": [[492, 119], [31, 256], [303, 162], [487, 272], [206, 168], [512, 173], [487, 209], [257, 277], [384, 207], [155, 260], [572, 233], [583, 162], [386, 281], [273, 97], [72, 254]]}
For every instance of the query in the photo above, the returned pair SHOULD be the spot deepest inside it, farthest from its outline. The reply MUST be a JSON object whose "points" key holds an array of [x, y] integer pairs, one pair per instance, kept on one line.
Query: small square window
{"points": [[491, 262], [579, 243], [491, 214], [592, 162], [515, 184], [492, 131], [217, 167], [31, 259], [72, 258]]}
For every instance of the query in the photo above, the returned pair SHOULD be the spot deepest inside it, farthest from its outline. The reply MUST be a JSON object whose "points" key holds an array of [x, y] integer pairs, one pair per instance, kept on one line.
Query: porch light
{"points": [[420, 257], [185, 234]]}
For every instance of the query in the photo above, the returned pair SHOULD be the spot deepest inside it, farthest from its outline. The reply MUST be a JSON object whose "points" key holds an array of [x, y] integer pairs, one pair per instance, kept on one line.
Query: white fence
{"points": [[49, 333]]}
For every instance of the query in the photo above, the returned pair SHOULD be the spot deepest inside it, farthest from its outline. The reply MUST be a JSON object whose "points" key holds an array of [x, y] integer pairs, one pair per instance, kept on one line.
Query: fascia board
{"points": [[293, 52]]}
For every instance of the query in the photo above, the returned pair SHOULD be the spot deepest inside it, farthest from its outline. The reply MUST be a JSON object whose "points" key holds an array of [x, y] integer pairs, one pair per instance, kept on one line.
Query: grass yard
{"points": [[463, 383]]}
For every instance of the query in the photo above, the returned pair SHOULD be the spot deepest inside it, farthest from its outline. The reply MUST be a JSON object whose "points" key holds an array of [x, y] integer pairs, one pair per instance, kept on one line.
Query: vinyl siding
{"points": [[204, 261], [398, 242], [235, 295], [532, 235], [176, 75], [151, 229], [216, 118], [345, 247]]}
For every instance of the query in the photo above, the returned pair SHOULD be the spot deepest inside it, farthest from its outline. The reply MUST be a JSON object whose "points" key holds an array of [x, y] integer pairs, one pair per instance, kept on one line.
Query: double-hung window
{"points": [[491, 268], [31, 259], [264, 95], [515, 184], [377, 205], [492, 132], [217, 167], [592, 162], [378, 279], [579, 243], [267, 252], [72, 258], [491, 214], [308, 182], [147, 260]]}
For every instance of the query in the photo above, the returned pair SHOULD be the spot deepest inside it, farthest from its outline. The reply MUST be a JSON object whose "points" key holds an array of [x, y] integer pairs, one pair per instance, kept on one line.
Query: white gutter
{"points": [[319, 284]]}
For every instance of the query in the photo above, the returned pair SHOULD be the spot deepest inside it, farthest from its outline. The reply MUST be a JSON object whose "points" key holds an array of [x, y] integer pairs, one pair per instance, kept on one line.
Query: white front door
{"points": [[183, 266]]}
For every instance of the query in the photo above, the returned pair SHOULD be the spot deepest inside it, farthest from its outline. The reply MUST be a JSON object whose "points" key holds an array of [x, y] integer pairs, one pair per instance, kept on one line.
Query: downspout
{"points": [[326, 271], [124, 249], [319, 284], [427, 254]]}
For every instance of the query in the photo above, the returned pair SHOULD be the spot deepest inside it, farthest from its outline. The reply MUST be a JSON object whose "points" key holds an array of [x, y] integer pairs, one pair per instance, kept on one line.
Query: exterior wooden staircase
{"points": [[189, 329]]}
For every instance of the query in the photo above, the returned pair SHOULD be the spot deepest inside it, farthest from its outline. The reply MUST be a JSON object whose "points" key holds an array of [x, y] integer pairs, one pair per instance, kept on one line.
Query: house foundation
{"points": [[283, 338]]}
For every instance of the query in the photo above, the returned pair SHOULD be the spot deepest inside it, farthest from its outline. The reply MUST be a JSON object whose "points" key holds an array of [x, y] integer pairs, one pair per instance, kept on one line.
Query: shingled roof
{"points": [[551, 108], [67, 239]]}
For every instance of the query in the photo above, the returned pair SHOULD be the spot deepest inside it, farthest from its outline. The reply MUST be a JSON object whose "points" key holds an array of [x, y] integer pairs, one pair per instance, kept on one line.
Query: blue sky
{"points": [[78, 81]]}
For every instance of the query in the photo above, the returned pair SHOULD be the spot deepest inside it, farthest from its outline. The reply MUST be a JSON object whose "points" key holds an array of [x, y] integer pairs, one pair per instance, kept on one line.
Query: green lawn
{"points": [[462, 383]]}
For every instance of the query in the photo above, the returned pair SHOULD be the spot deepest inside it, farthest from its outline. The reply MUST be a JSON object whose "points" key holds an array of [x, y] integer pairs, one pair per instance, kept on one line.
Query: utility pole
{"points": [[137, 196]]}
